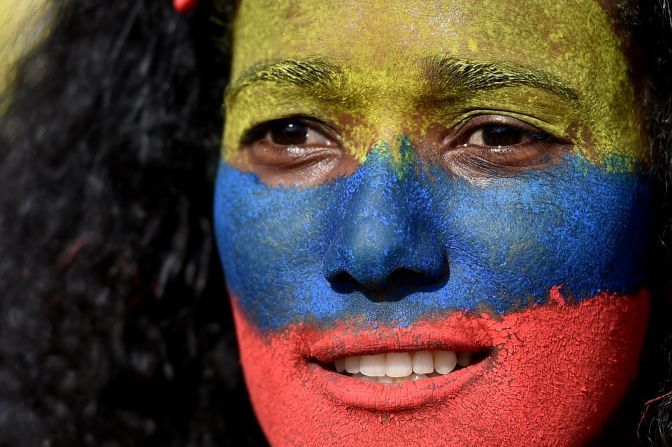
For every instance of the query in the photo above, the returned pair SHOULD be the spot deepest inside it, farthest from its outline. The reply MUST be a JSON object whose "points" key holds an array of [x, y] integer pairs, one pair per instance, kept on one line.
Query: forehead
{"points": [[383, 46], [573, 37]]}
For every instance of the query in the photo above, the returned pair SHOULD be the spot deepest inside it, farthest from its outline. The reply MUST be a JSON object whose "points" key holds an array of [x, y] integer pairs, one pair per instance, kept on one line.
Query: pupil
{"points": [[502, 136], [289, 134]]}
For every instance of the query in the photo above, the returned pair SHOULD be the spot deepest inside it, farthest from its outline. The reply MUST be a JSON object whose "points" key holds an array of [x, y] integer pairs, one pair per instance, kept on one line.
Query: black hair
{"points": [[115, 327], [648, 24], [114, 321]]}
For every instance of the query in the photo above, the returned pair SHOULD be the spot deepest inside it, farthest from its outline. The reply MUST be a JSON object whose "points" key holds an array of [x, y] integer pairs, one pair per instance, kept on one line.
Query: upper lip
{"points": [[344, 343]]}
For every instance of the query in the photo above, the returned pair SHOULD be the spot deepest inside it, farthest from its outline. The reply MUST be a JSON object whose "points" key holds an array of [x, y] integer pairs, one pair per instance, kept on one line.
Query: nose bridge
{"points": [[377, 223], [378, 230]]}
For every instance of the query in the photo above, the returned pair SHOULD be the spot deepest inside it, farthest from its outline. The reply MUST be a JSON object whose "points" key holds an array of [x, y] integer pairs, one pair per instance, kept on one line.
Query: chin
{"points": [[549, 374]]}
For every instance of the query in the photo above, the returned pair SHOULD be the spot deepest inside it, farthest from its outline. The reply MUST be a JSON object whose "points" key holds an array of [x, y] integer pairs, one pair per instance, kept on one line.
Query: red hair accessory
{"points": [[183, 6]]}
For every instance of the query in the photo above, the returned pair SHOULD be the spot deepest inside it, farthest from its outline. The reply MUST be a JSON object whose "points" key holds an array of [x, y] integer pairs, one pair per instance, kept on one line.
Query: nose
{"points": [[384, 241]]}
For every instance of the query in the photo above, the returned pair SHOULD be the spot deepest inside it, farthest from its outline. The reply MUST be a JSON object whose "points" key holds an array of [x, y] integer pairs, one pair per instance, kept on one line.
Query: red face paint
{"points": [[552, 376]]}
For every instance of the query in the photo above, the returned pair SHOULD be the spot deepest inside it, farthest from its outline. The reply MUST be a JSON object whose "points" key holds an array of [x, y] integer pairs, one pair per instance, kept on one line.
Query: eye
{"points": [[288, 132], [502, 135], [294, 151], [494, 145]]}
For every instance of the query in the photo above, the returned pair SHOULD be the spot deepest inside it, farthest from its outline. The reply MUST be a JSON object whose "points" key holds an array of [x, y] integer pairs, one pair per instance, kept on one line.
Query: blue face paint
{"points": [[393, 245]]}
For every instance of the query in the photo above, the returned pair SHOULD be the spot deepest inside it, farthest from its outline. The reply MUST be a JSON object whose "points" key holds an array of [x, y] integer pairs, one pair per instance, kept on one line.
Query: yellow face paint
{"points": [[555, 65]]}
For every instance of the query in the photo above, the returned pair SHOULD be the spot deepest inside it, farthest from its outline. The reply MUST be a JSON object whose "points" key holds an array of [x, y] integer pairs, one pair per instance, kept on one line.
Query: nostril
{"points": [[404, 277], [343, 282], [401, 278], [342, 278]]}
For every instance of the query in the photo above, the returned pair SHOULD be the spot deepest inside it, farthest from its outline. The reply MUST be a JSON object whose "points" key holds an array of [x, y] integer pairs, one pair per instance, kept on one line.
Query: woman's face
{"points": [[446, 198]]}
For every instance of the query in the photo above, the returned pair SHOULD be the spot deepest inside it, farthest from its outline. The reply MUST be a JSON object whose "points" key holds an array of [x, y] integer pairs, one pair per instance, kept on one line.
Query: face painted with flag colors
{"points": [[432, 218]]}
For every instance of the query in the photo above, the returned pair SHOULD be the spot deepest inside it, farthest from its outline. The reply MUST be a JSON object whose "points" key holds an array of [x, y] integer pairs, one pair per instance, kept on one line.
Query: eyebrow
{"points": [[447, 75], [320, 78]]}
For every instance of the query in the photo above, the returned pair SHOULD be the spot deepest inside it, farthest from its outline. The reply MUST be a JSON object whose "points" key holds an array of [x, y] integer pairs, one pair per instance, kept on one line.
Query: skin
{"points": [[493, 157]]}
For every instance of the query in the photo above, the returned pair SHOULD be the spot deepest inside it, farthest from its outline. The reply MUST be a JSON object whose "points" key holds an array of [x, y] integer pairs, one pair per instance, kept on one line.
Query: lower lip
{"points": [[384, 397]]}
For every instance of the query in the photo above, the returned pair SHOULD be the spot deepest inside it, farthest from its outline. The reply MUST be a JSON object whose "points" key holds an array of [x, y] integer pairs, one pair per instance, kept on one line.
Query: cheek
{"points": [[556, 373]]}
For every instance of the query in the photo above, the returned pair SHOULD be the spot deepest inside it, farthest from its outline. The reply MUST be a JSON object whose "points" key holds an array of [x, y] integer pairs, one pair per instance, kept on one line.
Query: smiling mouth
{"points": [[400, 367], [396, 369]]}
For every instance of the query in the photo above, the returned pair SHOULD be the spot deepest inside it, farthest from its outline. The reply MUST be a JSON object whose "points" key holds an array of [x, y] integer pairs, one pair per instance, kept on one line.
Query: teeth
{"points": [[352, 364], [423, 362], [410, 378], [444, 361], [463, 358], [373, 365], [365, 378], [398, 364], [400, 367]]}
